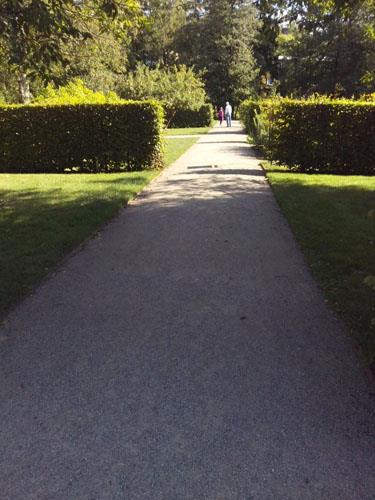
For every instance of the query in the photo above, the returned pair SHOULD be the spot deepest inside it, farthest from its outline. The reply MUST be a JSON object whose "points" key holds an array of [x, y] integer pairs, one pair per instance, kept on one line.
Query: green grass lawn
{"points": [[331, 220], [44, 216], [174, 148], [186, 131]]}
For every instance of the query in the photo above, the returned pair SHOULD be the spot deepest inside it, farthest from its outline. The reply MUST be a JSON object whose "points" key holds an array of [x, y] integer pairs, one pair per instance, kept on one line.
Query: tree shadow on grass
{"points": [[126, 180]]}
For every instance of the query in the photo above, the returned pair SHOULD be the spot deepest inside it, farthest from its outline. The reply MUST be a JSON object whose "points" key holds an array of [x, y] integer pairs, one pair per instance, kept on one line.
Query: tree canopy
{"points": [[329, 47], [175, 86], [35, 32], [238, 47]]}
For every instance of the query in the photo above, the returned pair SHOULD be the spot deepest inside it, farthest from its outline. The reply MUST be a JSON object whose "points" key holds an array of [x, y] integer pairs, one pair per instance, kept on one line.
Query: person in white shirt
{"points": [[228, 114]]}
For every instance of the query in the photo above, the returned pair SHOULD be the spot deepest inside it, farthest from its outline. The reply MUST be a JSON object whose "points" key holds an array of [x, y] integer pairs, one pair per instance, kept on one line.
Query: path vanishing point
{"points": [[185, 353]]}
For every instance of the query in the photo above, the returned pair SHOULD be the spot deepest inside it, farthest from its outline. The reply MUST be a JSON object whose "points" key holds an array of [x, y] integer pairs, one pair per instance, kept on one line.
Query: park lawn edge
{"points": [[59, 262], [362, 341], [76, 248], [186, 131]]}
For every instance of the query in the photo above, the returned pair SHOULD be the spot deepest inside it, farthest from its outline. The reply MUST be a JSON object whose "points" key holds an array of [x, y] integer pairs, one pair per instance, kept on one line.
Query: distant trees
{"points": [[175, 86], [100, 60], [8, 78], [215, 37], [155, 44], [228, 33], [238, 47], [320, 46], [271, 17]]}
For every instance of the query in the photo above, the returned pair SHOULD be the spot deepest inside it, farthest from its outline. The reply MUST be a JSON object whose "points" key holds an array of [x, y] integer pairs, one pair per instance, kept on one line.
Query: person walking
{"points": [[220, 115], [228, 114]]}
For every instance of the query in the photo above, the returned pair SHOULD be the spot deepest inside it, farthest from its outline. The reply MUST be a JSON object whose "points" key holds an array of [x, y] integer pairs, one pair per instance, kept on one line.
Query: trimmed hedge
{"points": [[320, 135], [83, 138], [181, 118], [247, 111]]}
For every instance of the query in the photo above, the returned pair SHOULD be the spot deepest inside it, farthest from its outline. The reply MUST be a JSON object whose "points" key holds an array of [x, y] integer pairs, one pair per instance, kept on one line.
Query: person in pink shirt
{"points": [[220, 115]]}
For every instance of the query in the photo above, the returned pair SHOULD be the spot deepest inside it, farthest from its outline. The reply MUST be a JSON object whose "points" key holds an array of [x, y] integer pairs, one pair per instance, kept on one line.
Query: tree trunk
{"points": [[24, 88]]}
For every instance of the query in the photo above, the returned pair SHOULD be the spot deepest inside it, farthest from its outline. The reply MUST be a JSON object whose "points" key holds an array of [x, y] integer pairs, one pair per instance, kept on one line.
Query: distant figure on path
{"points": [[228, 114], [220, 115]]}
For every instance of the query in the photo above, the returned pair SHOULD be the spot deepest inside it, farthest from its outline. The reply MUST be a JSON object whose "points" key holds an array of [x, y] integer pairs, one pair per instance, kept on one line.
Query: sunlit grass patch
{"points": [[174, 148], [333, 220], [44, 216], [186, 131]]}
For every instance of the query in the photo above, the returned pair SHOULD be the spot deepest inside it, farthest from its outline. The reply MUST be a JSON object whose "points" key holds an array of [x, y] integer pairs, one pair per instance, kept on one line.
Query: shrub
{"points": [[85, 138], [368, 97], [247, 111], [179, 89], [75, 92], [182, 117], [256, 116], [177, 86], [316, 135]]}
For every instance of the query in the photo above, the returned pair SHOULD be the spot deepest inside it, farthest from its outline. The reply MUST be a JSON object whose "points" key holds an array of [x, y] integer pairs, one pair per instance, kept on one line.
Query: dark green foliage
{"points": [[266, 44], [247, 112], [229, 31], [318, 135], [218, 40], [176, 86], [317, 46], [182, 117], [154, 44], [331, 137], [35, 33], [332, 49], [84, 138]]}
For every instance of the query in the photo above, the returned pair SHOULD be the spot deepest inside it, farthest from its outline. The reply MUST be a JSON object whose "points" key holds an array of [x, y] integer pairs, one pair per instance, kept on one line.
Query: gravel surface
{"points": [[185, 353]]}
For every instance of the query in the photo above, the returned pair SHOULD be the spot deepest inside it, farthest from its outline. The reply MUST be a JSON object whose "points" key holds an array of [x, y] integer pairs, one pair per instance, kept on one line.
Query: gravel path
{"points": [[185, 353]]}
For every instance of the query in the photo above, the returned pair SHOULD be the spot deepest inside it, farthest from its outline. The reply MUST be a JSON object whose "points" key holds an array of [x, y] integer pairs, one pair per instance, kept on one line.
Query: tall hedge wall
{"points": [[86, 138], [182, 117], [332, 136]]}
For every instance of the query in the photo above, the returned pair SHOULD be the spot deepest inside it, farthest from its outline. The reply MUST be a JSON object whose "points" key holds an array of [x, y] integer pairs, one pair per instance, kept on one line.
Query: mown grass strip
{"points": [[186, 131], [333, 220], [176, 147]]}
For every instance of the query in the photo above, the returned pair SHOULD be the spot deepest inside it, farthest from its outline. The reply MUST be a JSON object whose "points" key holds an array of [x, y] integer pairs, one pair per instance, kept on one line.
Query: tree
{"points": [[177, 86], [215, 37], [229, 31], [8, 80], [155, 43], [99, 61], [75, 92], [271, 16], [35, 31], [329, 47]]}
